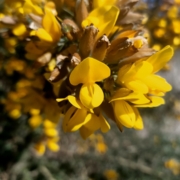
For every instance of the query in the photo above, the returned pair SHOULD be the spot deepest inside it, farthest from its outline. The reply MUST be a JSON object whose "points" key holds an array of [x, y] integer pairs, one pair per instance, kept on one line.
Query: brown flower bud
{"points": [[119, 49], [87, 41], [81, 11], [101, 47]]}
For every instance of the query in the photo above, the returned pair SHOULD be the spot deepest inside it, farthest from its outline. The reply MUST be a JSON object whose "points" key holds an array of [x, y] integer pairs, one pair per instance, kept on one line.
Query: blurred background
{"points": [[150, 154]]}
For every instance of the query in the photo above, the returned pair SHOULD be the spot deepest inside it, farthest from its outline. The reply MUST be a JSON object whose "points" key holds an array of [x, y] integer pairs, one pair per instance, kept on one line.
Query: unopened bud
{"points": [[81, 11], [86, 44], [101, 47], [119, 49]]}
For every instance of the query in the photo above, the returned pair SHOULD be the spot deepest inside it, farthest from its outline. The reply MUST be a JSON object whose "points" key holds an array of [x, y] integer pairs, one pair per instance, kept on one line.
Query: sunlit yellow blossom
{"points": [[35, 121], [82, 62], [104, 18], [15, 113], [91, 95], [139, 77], [30, 7], [51, 31]]}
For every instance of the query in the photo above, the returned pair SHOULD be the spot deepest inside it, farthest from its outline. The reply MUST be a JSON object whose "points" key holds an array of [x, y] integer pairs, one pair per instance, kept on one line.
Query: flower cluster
{"points": [[163, 24], [85, 62]]}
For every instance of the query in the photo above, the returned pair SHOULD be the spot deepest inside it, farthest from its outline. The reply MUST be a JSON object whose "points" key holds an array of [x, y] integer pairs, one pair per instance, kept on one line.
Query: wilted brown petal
{"points": [[119, 49], [9, 20], [55, 74], [36, 18], [76, 59], [130, 18], [125, 6], [44, 59], [144, 52]]}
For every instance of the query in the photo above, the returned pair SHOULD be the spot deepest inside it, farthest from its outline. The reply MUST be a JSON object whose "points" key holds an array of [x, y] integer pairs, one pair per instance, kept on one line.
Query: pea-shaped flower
{"points": [[87, 73]]}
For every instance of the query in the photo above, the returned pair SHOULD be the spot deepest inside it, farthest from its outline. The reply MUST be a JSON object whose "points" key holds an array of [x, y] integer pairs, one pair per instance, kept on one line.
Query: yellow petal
{"points": [[122, 72], [100, 3], [155, 82], [44, 35], [91, 96], [124, 113], [120, 93], [67, 117], [74, 119], [143, 69], [29, 7], [139, 122], [51, 132], [104, 18], [154, 102], [72, 99], [53, 146], [137, 86], [51, 25], [19, 30], [159, 59], [48, 124], [136, 71], [93, 123], [105, 127], [133, 97], [89, 71], [35, 121]]}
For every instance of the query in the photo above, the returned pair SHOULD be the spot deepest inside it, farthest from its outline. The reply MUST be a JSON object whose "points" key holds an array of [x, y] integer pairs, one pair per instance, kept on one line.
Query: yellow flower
{"points": [[103, 18], [127, 115], [78, 117], [141, 84], [35, 121], [139, 76], [51, 31], [88, 72], [94, 122], [32, 7]]}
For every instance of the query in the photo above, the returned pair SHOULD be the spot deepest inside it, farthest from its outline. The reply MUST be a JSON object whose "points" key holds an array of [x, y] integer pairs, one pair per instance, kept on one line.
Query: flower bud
{"points": [[87, 41], [101, 47], [81, 11]]}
